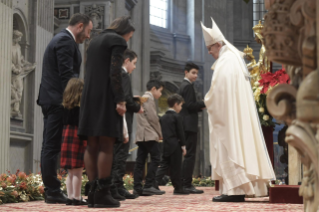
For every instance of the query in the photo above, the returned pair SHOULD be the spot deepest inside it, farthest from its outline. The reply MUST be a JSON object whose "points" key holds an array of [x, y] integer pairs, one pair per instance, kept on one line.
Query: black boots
{"points": [[102, 195], [90, 192], [115, 194]]}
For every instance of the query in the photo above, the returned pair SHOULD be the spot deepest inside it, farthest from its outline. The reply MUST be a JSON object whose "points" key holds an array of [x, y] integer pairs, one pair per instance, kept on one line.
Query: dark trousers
{"points": [[174, 162], [144, 148], [120, 156], [189, 159], [51, 146]]}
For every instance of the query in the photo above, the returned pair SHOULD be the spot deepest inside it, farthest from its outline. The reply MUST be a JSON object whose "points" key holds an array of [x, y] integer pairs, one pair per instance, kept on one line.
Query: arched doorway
{"points": [[20, 24]]}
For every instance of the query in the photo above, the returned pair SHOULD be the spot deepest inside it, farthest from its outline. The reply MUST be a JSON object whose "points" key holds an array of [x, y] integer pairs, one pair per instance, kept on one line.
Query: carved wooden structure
{"points": [[291, 34]]}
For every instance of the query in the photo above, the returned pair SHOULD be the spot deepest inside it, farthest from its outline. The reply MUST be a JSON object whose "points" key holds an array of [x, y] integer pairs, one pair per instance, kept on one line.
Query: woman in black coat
{"points": [[102, 108]]}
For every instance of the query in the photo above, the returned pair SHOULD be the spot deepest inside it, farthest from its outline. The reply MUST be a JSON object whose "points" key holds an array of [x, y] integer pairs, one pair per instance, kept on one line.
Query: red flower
{"points": [[23, 186], [22, 176], [272, 79], [3, 185], [41, 189], [11, 179], [14, 193]]}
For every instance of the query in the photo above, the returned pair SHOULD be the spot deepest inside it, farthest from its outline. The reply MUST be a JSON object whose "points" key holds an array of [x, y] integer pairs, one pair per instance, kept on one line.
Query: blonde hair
{"points": [[72, 93]]}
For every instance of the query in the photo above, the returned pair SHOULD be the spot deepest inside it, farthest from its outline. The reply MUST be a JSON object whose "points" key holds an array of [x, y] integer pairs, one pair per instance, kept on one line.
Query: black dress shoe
{"points": [[193, 190], [125, 193], [152, 191], [79, 202], [69, 202], [56, 197], [140, 193], [180, 192], [231, 198]]}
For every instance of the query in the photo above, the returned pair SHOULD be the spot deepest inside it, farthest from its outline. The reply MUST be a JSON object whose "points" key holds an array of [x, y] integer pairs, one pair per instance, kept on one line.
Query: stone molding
{"points": [[297, 104], [130, 4]]}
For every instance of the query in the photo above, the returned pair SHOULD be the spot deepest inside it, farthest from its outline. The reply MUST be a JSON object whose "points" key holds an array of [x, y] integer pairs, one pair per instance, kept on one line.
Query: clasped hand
{"points": [[121, 108]]}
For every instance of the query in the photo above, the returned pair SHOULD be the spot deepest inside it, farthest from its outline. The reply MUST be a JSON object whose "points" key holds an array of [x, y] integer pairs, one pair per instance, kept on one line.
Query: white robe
{"points": [[238, 153]]}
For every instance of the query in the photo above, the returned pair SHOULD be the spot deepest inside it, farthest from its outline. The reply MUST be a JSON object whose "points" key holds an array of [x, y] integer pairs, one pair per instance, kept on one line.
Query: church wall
{"points": [[35, 20]]}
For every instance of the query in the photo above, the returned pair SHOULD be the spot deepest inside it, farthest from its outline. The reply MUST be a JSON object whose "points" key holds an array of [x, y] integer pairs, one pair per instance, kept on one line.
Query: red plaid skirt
{"points": [[72, 148]]}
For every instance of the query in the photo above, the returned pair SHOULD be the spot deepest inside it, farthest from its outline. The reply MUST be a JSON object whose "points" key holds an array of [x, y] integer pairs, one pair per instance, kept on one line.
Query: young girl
{"points": [[72, 149]]}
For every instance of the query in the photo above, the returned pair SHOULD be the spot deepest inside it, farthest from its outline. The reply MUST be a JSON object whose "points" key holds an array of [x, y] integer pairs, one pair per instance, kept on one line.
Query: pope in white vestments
{"points": [[238, 153]]}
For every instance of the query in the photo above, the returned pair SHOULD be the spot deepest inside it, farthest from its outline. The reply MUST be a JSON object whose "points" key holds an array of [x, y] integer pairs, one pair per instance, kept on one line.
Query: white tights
{"points": [[74, 183]]}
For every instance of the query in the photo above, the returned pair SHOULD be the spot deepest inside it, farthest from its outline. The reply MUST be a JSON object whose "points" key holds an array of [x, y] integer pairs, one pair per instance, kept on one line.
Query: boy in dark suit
{"points": [[121, 150], [174, 144], [189, 112]]}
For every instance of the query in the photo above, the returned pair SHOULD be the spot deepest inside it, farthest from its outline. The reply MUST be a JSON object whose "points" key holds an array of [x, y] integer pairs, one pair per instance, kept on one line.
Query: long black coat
{"points": [[61, 61], [131, 106], [173, 132], [191, 107], [103, 87]]}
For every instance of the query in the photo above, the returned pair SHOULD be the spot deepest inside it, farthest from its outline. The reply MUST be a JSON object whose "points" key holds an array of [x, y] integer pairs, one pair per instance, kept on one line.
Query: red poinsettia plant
{"points": [[270, 80], [262, 88]]}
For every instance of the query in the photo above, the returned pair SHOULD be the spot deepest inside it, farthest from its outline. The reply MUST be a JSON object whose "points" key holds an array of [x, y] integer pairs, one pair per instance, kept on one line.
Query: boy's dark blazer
{"points": [[173, 132], [191, 107], [131, 106], [61, 61]]}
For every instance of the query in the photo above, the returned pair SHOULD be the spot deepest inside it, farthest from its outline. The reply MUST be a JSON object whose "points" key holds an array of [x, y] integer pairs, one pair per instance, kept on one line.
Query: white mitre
{"points": [[214, 35]]}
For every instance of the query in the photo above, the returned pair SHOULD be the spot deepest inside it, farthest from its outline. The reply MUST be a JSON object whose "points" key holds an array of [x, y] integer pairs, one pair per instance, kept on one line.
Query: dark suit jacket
{"points": [[173, 132], [191, 107], [131, 106], [61, 61]]}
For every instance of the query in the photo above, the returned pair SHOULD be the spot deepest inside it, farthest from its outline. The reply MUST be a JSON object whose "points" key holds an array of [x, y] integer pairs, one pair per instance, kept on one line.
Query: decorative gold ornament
{"points": [[263, 62], [258, 29], [249, 51], [252, 67]]}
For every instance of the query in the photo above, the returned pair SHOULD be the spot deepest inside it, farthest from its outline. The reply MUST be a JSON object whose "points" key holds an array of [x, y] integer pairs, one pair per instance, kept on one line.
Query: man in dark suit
{"points": [[61, 61], [121, 150], [174, 144], [189, 112]]}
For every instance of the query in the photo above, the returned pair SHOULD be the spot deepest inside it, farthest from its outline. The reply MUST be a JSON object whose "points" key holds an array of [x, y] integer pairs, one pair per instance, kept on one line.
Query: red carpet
{"points": [[166, 202]]}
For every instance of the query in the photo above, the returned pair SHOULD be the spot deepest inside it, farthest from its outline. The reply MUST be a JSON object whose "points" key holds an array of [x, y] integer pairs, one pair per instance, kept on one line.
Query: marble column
{"points": [[6, 27], [44, 33], [294, 166], [140, 43]]}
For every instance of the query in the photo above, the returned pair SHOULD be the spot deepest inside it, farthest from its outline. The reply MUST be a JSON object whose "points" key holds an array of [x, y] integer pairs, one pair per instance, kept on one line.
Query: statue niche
{"points": [[19, 70]]}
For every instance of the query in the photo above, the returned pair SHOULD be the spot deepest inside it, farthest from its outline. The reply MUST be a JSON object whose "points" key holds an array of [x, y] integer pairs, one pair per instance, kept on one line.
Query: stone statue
{"points": [[252, 66], [263, 62], [96, 20], [96, 14], [20, 69]]}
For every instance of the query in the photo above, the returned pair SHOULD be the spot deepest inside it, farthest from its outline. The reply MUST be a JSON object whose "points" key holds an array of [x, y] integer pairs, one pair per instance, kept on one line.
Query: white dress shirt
{"points": [[71, 34]]}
